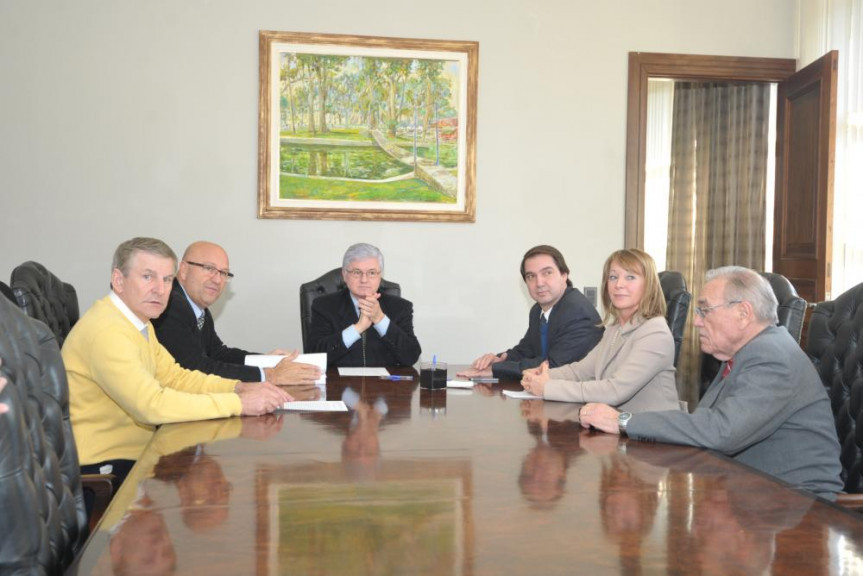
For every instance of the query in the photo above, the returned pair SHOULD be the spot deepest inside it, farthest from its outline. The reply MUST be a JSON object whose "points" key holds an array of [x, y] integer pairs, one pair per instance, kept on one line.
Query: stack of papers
{"points": [[270, 360], [363, 372], [316, 406], [521, 395], [459, 383]]}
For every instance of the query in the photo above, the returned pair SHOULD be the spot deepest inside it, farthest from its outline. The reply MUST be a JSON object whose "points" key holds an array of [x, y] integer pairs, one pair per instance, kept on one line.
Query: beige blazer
{"points": [[632, 369]]}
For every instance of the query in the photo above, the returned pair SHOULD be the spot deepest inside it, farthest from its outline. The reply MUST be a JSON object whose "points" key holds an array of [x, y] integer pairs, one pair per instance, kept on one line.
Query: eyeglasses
{"points": [[357, 274], [702, 311], [212, 270]]}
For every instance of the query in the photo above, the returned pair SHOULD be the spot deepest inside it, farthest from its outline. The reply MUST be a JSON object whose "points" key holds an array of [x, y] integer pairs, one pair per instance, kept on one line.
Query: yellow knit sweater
{"points": [[122, 385]]}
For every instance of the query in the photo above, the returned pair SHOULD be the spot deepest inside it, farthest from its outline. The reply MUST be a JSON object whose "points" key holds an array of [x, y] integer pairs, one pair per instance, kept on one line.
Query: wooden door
{"points": [[805, 143]]}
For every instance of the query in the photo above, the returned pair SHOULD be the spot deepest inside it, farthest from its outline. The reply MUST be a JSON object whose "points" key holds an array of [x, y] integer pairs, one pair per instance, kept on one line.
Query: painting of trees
{"points": [[322, 91], [359, 127]]}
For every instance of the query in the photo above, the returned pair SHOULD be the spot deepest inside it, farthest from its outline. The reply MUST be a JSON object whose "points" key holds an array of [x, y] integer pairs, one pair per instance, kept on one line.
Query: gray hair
{"points": [[124, 252], [745, 285], [362, 251]]}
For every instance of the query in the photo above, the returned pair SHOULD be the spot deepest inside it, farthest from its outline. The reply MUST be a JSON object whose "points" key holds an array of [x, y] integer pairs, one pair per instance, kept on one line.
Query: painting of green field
{"points": [[412, 190], [358, 128]]}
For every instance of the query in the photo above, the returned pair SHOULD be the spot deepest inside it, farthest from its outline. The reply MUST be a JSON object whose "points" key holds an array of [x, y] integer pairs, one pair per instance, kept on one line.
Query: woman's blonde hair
{"points": [[634, 260]]}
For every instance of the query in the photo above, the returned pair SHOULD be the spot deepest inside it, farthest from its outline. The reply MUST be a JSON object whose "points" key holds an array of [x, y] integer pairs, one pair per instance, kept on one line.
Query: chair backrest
{"points": [[45, 297], [6, 291], [833, 345], [677, 300], [330, 282], [44, 523], [792, 308], [790, 312]]}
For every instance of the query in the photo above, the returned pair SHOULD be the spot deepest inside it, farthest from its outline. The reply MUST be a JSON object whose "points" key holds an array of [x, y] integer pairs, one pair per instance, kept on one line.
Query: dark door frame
{"points": [[646, 65]]}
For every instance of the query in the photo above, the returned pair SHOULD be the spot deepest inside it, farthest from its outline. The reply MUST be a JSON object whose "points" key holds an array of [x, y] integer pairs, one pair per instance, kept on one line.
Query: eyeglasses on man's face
{"points": [[356, 273], [211, 270], [702, 311]]}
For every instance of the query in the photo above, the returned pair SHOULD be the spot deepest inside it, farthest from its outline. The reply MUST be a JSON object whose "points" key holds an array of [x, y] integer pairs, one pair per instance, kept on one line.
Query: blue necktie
{"points": [[543, 334]]}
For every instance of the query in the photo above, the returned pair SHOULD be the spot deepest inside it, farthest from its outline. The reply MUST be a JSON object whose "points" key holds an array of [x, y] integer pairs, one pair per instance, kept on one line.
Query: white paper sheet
{"points": [[521, 395], [363, 372], [316, 406], [269, 360], [459, 384]]}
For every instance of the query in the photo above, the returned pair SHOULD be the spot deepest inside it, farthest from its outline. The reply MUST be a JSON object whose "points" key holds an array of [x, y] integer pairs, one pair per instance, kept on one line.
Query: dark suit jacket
{"points": [[333, 313], [574, 328], [177, 330], [771, 413]]}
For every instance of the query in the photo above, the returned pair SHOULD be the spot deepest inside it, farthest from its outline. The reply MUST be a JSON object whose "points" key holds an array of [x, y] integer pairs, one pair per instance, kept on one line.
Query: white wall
{"points": [[123, 118], [814, 31]]}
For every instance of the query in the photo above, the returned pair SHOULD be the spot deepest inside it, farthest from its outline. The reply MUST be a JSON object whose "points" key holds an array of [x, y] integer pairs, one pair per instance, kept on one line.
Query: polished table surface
{"points": [[412, 481]]}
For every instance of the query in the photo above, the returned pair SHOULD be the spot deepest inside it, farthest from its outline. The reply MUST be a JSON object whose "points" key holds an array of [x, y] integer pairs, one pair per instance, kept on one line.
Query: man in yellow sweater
{"points": [[123, 383]]}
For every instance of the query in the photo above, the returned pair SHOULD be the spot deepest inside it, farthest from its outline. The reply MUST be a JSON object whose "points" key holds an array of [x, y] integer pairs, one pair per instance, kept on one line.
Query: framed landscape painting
{"points": [[366, 128]]}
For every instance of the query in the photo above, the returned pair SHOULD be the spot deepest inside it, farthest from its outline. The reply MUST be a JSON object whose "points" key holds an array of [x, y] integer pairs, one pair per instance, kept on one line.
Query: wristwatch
{"points": [[623, 420]]}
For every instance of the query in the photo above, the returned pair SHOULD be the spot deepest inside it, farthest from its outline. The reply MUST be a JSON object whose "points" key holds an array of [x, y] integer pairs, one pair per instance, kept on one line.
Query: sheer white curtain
{"points": [[660, 100], [847, 31]]}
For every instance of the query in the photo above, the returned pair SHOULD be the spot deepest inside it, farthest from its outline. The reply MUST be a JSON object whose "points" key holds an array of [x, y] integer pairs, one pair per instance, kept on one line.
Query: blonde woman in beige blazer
{"points": [[632, 367]]}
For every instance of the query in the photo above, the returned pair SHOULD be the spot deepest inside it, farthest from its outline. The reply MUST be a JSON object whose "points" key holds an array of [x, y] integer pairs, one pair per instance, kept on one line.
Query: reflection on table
{"points": [[452, 482]]}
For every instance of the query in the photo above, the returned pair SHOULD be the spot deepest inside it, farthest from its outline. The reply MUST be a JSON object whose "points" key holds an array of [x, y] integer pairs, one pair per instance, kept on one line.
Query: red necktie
{"points": [[727, 370]]}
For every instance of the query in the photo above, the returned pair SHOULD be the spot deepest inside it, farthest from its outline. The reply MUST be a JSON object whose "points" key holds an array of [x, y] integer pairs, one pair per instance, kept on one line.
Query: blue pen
{"points": [[434, 362], [396, 378]]}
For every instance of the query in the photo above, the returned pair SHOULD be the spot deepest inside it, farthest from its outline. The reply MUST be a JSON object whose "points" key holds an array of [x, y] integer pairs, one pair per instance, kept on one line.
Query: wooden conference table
{"points": [[452, 482]]}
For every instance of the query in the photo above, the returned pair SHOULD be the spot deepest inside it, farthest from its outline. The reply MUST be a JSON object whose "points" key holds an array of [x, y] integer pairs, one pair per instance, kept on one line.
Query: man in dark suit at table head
{"points": [[359, 326], [187, 330], [767, 407], [563, 326]]}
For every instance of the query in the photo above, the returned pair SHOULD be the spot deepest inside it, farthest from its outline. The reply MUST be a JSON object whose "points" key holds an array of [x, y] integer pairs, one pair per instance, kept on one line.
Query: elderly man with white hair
{"points": [[359, 326], [767, 407]]}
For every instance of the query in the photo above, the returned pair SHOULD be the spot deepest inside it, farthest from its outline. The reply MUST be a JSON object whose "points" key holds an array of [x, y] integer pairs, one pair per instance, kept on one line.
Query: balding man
{"points": [[767, 407], [187, 330]]}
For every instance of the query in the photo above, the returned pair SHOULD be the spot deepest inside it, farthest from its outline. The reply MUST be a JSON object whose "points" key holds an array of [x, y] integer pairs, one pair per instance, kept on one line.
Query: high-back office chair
{"points": [[44, 523], [6, 290], [45, 297], [677, 300], [790, 312], [833, 344], [792, 308], [330, 282]]}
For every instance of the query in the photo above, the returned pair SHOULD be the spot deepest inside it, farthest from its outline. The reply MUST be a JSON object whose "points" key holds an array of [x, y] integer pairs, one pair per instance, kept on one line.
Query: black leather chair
{"points": [[6, 291], [792, 308], [790, 312], [330, 282], [833, 344], [43, 523], [677, 300], [45, 297]]}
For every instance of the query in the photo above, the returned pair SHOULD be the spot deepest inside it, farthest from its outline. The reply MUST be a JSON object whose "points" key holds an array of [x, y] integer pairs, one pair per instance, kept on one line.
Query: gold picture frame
{"points": [[366, 128]]}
